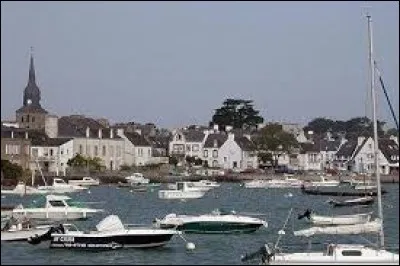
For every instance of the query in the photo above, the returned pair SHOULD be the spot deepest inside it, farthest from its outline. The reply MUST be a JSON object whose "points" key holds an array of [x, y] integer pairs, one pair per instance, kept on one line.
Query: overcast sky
{"points": [[173, 63]]}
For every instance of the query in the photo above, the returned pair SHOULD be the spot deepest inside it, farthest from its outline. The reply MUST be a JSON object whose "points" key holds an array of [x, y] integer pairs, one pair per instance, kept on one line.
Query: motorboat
{"points": [[21, 229], [137, 178], [287, 182], [110, 233], [348, 219], [59, 186], [22, 189], [256, 183], [204, 185], [55, 207], [352, 202], [216, 222], [85, 181], [184, 190]]}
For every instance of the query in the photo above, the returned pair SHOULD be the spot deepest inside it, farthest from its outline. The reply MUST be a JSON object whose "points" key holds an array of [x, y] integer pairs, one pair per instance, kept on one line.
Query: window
{"points": [[111, 151], [215, 153], [62, 151], [195, 147], [51, 152], [179, 137], [140, 152], [22, 119], [35, 152], [27, 118], [118, 151], [225, 159], [215, 163], [12, 149], [188, 147], [33, 119], [149, 152], [104, 150], [351, 252], [88, 150], [206, 153], [80, 149], [57, 203], [96, 150]]}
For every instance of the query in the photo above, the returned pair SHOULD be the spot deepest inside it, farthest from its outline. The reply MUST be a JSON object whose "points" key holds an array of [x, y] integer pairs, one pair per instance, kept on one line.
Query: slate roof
{"points": [[347, 149], [137, 139], [75, 126], [193, 135], [220, 139], [244, 143], [389, 148]]}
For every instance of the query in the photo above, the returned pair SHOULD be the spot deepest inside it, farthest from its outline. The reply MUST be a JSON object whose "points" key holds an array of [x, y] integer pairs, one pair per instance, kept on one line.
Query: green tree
{"points": [[78, 161], [95, 163], [190, 159], [11, 170], [173, 160], [392, 132], [237, 113]]}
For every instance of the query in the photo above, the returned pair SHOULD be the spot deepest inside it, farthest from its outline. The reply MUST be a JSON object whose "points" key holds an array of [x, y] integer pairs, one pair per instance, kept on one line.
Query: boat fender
{"points": [[190, 246]]}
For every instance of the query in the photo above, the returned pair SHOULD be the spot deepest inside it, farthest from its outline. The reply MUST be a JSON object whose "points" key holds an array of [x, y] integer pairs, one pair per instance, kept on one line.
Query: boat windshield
{"points": [[75, 203]]}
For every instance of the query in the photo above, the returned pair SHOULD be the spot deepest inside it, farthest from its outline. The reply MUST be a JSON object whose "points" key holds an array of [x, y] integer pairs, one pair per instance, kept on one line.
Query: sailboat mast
{"points": [[375, 122]]}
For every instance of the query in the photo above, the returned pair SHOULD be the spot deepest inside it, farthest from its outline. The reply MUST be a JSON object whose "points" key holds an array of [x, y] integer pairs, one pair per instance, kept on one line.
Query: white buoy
{"points": [[190, 246], [89, 192]]}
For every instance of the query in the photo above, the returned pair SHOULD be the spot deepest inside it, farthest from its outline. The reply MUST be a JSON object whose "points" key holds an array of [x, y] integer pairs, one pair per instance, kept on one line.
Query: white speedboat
{"points": [[55, 207], [85, 181], [137, 178], [21, 230], [204, 185], [60, 186], [184, 190], [324, 182], [22, 189], [287, 182], [110, 233], [216, 222]]}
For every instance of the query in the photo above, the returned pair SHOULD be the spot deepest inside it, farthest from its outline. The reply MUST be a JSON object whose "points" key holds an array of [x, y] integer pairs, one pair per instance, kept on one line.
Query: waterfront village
{"points": [[40, 143]]}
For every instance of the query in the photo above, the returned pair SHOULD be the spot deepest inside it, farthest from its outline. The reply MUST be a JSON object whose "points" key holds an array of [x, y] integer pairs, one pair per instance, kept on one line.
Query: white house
{"points": [[137, 149], [188, 142], [51, 154], [230, 151]]}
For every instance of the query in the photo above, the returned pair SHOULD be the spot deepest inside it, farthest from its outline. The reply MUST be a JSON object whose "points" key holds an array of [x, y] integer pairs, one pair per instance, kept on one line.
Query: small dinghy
{"points": [[352, 202]]}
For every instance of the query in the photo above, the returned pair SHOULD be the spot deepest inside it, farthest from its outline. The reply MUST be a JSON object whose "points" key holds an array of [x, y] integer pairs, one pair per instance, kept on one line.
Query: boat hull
{"points": [[218, 228], [22, 235], [54, 215], [109, 242]]}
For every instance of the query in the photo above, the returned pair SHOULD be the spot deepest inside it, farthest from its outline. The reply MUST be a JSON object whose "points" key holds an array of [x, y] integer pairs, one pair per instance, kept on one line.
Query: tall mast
{"points": [[376, 147]]}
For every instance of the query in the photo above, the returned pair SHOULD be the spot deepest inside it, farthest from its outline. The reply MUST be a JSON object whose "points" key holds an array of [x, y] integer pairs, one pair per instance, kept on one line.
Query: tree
{"points": [[190, 159], [392, 132], [11, 170], [273, 140], [77, 161], [173, 160], [237, 113]]}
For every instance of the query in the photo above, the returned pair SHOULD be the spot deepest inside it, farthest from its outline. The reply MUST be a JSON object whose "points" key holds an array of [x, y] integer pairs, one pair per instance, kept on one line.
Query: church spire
{"points": [[32, 77]]}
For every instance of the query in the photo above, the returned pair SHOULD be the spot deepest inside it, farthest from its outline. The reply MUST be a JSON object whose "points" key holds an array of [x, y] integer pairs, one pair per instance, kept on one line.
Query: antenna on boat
{"points": [[375, 123]]}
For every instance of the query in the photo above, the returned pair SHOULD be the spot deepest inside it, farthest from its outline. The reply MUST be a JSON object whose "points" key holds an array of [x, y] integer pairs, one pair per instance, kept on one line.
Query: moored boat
{"points": [[216, 222], [110, 233]]}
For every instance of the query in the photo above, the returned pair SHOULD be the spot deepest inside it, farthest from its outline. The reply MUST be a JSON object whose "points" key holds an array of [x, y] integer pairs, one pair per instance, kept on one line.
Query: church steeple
{"points": [[32, 91], [32, 77]]}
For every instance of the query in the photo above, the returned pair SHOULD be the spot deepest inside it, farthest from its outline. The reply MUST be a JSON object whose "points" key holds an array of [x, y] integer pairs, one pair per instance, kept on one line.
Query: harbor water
{"points": [[134, 207]]}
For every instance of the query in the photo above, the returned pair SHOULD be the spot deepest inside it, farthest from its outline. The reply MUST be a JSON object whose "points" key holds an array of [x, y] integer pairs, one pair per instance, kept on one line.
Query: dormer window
{"points": [[179, 137], [215, 143]]}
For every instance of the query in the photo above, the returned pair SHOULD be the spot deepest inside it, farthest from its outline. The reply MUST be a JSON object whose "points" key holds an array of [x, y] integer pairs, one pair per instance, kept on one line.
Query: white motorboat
{"points": [[257, 183], [287, 182], [22, 189], [216, 222], [343, 254], [60, 187], [137, 178], [110, 233], [21, 230], [85, 181], [204, 185], [55, 207], [184, 190], [359, 218]]}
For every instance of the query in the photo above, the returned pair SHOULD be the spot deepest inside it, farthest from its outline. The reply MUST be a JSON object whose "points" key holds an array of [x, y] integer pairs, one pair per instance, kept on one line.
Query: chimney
{"points": [[12, 134], [215, 128], [87, 132], [228, 128], [111, 133], [100, 133], [26, 134], [120, 132], [231, 136]]}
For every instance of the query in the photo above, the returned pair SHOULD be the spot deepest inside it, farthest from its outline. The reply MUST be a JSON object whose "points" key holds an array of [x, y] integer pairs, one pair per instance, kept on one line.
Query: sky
{"points": [[174, 63]]}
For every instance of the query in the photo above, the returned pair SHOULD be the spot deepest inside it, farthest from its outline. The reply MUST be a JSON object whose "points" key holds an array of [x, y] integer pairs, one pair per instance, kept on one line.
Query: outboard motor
{"points": [[307, 214], [265, 253], [46, 236]]}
